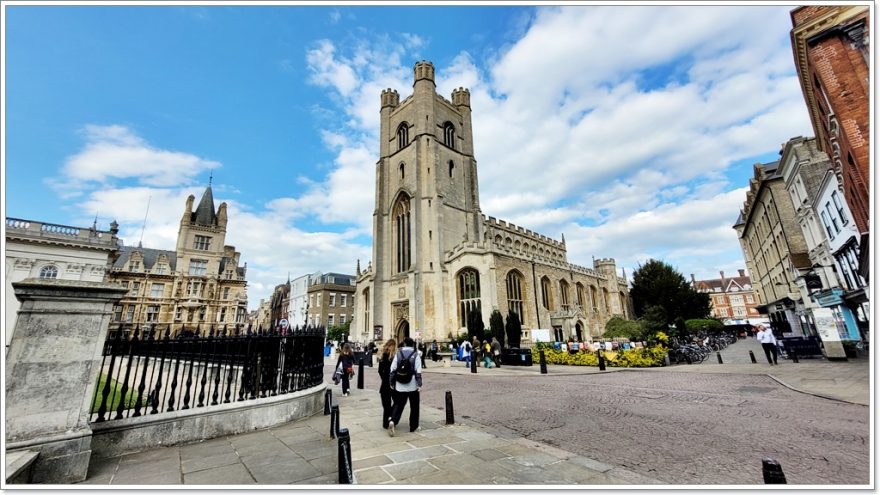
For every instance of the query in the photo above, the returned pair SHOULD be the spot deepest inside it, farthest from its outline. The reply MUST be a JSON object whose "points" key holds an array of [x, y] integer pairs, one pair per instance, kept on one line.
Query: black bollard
{"points": [[473, 361], [793, 355], [328, 400], [334, 421], [543, 362], [773, 474], [450, 415], [601, 360], [361, 374], [720, 361], [752, 357], [346, 476]]}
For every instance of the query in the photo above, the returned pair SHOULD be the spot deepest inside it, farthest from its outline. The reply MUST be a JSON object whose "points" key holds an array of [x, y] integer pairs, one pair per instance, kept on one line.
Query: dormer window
{"points": [[402, 135], [449, 135]]}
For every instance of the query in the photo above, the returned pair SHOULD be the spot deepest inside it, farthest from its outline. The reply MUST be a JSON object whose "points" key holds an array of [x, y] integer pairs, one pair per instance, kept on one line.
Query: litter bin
{"points": [[517, 357]]}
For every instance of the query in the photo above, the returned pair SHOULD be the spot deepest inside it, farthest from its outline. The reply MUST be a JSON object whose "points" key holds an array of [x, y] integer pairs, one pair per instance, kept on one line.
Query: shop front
{"points": [[842, 315]]}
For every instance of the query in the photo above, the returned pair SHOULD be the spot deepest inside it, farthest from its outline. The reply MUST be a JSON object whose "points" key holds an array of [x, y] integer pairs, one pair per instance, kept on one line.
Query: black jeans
{"points": [[386, 394], [346, 385], [400, 399], [768, 350]]}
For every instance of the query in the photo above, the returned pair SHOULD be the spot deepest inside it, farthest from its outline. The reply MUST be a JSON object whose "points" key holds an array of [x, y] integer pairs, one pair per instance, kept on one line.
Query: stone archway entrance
{"points": [[579, 331], [402, 331]]}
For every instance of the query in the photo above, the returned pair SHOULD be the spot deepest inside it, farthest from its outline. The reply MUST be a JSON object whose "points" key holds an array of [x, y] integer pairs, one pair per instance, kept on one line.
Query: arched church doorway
{"points": [[579, 331], [402, 331]]}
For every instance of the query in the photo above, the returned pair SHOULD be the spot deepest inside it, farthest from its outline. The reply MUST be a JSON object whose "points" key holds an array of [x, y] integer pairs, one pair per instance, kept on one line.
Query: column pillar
{"points": [[51, 370]]}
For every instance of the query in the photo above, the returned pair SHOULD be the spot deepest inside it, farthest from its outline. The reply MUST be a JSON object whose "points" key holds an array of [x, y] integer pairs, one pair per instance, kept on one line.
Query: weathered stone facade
{"points": [[436, 257], [199, 283]]}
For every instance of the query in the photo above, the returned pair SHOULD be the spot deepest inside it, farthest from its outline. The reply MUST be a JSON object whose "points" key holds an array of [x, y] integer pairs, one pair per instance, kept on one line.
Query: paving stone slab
{"points": [[263, 459], [591, 464], [379, 460], [373, 476], [198, 464], [489, 454], [150, 455], [630, 477], [209, 448], [407, 470], [437, 440], [314, 449], [327, 464], [103, 467], [168, 477], [284, 473], [420, 453], [235, 474], [472, 445], [468, 465], [393, 448]]}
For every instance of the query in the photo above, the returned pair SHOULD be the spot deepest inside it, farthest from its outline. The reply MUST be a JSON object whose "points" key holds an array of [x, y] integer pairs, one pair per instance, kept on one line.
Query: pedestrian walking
{"points": [[768, 342], [496, 351], [453, 347], [386, 393], [487, 355], [434, 349], [422, 351], [466, 353], [345, 369], [406, 380]]}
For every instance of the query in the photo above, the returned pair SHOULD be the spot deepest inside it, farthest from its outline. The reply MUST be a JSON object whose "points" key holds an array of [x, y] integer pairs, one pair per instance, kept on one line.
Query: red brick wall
{"points": [[843, 73]]}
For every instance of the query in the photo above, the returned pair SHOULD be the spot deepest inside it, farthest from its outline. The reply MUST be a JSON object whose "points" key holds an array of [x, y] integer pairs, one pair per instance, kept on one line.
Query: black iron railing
{"points": [[146, 371]]}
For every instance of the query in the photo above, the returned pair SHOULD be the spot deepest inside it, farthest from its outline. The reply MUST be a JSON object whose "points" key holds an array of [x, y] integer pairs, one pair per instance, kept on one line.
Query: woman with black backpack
{"points": [[406, 380], [386, 393]]}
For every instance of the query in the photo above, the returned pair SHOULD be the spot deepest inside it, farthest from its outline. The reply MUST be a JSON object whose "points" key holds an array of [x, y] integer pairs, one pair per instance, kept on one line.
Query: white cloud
{"points": [[115, 152]]}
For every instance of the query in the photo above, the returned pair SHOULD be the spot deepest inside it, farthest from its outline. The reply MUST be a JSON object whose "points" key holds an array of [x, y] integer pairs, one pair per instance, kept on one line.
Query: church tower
{"points": [[427, 202]]}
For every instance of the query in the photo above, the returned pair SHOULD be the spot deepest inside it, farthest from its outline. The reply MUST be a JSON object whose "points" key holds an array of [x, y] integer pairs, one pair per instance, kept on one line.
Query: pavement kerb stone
{"points": [[796, 389]]}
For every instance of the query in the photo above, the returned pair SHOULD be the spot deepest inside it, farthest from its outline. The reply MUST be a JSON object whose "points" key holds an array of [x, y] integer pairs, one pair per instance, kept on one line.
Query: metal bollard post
{"points": [[346, 476], [450, 415], [328, 400], [601, 360], [361, 374], [666, 359], [752, 357], [793, 354], [334, 421], [543, 362], [473, 361], [720, 361], [772, 471]]}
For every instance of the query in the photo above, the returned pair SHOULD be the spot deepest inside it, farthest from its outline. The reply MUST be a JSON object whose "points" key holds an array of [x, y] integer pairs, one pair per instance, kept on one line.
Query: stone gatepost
{"points": [[51, 369]]}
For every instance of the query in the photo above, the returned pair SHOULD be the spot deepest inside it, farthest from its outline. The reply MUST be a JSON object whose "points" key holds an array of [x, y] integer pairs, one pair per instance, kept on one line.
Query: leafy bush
{"points": [[618, 327], [630, 358]]}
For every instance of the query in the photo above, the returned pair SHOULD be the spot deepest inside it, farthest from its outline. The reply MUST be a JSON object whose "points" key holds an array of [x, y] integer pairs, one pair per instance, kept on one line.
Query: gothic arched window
{"points": [[402, 170], [546, 293], [514, 293], [563, 294], [451, 168], [449, 135], [49, 271], [468, 294], [402, 135], [402, 234], [581, 300]]}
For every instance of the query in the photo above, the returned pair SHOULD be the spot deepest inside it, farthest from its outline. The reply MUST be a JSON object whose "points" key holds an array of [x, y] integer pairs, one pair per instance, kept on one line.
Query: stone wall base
{"points": [[125, 436], [61, 459]]}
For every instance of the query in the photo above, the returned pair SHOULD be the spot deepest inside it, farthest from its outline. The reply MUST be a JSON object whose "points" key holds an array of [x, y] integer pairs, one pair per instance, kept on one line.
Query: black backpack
{"points": [[406, 368]]}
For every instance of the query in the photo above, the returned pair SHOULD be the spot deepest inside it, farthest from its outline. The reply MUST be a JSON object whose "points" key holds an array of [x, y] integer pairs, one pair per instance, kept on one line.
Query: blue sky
{"points": [[631, 130]]}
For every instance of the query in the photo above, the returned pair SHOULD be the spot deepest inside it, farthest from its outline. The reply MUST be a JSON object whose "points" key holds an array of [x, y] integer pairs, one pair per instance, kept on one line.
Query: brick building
{"points": [[331, 300], [831, 53], [732, 298]]}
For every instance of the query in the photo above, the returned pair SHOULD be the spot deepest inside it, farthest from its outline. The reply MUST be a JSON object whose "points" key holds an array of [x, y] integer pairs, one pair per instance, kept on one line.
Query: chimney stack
{"points": [[742, 273]]}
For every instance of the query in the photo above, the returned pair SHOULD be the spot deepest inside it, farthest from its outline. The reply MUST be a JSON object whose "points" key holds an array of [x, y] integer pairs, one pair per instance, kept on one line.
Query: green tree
{"points": [[514, 329], [655, 320], [618, 327], [658, 284], [704, 325], [475, 325], [335, 332], [496, 323]]}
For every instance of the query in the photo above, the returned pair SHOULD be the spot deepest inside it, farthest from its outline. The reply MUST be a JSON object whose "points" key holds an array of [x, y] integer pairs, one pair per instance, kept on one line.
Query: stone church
{"points": [[437, 257]]}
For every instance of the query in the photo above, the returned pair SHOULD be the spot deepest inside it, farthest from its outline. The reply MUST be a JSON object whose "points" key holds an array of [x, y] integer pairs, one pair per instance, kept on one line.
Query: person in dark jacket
{"points": [[406, 392], [345, 369], [386, 393]]}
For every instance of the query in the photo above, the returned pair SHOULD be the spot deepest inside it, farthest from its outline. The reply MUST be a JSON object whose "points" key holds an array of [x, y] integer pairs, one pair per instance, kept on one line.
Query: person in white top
{"points": [[406, 384], [768, 342]]}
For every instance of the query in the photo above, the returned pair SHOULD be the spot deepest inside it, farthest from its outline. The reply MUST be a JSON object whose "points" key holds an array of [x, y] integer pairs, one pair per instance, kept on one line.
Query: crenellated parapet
{"points": [[390, 98], [461, 97], [493, 224], [423, 70]]}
